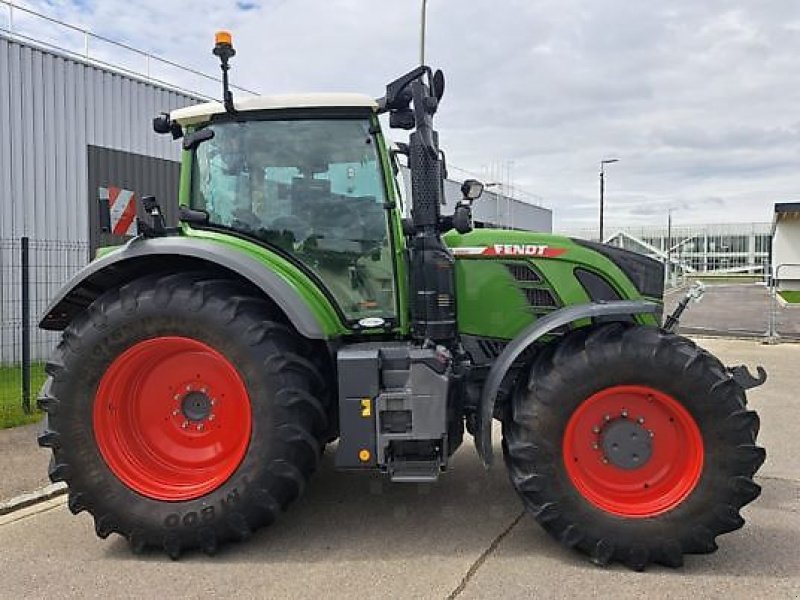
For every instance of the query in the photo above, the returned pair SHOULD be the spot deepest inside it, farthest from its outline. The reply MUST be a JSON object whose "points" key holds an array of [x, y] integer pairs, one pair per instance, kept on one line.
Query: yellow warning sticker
{"points": [[366, 407]]}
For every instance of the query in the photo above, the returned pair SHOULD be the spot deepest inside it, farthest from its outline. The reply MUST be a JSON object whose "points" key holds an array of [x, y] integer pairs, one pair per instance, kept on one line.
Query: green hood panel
{"points": [[491, 302]]}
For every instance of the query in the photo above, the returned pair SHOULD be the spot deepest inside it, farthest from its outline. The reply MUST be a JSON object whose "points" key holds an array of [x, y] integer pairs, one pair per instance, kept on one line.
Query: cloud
{"points": [[698, 100]]}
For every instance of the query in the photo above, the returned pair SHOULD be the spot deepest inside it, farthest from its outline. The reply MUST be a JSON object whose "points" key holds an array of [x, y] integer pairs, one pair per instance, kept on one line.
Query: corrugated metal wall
{"points": [[51, 108]]}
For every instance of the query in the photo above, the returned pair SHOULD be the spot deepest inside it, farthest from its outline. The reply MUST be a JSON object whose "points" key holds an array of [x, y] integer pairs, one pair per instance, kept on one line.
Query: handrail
{"points": [[88, 35]]}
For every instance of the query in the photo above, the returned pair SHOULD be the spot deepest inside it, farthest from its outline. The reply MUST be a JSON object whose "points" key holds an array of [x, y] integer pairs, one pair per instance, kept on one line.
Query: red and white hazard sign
{"points": [[122, 206]]}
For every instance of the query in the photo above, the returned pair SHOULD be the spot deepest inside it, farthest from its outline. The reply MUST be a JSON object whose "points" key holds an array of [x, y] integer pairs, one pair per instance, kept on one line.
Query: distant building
{"points": [[786, 245], [495, 210], [719, 248]]}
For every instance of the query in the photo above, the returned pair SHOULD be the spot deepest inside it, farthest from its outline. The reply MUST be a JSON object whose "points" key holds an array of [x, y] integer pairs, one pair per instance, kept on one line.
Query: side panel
{"points": [[493, 303]]}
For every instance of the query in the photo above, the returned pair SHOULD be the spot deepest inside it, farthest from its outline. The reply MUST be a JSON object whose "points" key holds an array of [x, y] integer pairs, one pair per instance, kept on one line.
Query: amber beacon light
{"points": [[223, 48], [223, 38]]}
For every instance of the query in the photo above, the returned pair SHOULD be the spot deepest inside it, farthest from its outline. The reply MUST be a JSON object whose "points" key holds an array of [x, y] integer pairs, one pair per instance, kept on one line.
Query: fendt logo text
{"points": [[541, 250]]}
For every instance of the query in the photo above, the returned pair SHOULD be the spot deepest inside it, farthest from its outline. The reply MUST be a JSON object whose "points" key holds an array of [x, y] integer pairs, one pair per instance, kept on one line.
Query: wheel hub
{"points": [[633, 451], [196, 406], [172, 418], [626, 444]]}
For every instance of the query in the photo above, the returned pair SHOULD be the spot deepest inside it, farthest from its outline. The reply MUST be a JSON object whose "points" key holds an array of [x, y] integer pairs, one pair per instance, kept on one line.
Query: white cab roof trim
{"points": [[200, 113]]}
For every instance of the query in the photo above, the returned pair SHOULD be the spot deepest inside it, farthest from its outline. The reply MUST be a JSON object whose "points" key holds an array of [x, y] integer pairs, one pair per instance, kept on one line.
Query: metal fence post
{"points": [[772, 332], [26, 325]]}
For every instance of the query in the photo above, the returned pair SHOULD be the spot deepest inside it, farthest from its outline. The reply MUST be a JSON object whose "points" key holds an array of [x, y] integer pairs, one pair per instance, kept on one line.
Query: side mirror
{"points": [[438, 84], [402, 119], [462, 219], [472, 189], [163, 124]]}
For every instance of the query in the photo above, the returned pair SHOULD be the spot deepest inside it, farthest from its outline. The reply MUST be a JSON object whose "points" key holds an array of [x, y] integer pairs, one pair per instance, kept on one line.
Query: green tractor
{"points": [[302, 300]]}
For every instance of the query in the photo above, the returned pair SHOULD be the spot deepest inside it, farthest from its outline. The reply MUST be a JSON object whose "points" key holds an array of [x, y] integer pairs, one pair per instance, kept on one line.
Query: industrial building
{"points": [[720, 248]]}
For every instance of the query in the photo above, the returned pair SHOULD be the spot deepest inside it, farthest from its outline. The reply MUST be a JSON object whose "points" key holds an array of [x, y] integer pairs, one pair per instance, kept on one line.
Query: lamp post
{"points": [[422, 25], [669, 245], [603, 163]]}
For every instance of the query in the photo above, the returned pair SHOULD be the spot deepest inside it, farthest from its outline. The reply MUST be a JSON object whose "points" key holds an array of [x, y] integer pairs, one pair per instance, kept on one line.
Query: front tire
{"points": [[181, 414], [632, 444]]}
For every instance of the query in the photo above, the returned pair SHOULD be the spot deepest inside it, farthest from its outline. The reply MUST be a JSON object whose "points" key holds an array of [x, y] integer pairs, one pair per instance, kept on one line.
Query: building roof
{"points": [[787, 207], [200, 113], [785, 211]]}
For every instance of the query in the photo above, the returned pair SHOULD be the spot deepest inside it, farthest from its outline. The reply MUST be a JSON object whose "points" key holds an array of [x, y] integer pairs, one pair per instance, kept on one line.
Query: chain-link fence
{"points": [[31, 273]]}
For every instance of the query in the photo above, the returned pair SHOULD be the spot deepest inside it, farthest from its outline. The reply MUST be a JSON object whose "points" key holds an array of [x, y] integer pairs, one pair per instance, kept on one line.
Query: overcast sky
{"points": [[699, 99]]}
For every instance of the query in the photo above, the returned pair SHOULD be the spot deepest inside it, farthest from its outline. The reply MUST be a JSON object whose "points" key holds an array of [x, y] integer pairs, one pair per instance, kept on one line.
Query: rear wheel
{"points": [[632, 444], [181, 414]]}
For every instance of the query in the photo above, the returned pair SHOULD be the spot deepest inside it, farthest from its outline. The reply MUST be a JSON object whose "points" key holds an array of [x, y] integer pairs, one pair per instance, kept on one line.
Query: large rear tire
{"points": [[632, 444], [181, 414]]}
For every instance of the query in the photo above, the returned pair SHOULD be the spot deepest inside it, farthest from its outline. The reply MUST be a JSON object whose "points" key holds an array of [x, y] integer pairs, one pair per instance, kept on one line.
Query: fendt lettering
{"points": [[525, 250], [296, 305]]}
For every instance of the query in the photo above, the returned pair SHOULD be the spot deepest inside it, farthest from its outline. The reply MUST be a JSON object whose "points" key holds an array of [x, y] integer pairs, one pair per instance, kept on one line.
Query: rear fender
{"points": [[542, 326], [312, 317]]}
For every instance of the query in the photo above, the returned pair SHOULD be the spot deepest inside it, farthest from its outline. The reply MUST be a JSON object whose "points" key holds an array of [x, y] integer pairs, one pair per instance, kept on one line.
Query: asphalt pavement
{"points": [[356, 535], [23, 463], [741, 310]]}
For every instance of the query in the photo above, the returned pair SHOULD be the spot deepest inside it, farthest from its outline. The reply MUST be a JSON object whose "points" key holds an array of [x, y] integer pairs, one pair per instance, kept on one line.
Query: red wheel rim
{"points": [[670, 471], [172, 418]]}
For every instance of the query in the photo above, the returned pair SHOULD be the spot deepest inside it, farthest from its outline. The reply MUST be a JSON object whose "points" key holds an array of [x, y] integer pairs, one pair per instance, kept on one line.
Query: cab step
{"points": [[414, 471]]}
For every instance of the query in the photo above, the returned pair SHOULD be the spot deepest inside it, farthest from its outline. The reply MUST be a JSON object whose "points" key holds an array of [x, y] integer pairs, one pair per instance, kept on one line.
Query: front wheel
{"points": [[632, 444], [181, 414]]}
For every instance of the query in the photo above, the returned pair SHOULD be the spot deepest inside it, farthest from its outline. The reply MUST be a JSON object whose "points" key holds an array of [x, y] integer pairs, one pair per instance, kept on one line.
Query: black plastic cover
{"points": [[597, 288], [644, 272]]}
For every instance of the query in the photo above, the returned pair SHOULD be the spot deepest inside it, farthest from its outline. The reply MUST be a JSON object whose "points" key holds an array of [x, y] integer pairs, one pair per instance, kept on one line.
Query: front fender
{"points": [[542, 326], [140, 256]]}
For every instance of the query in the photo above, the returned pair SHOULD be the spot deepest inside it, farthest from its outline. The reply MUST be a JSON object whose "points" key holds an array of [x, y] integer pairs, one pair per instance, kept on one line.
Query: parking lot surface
{"points": [[356, 535], [741, 310]]}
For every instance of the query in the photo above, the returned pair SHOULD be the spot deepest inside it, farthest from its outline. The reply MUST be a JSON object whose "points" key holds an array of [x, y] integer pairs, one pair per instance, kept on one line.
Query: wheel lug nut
{"points": [[175, 412], [607, 418], [651, 434], [640, 420], [211, 417], [595, 446], [605, 460], [185, 424], [204, 390], [200, 427], [595, 429], [624, 413]]}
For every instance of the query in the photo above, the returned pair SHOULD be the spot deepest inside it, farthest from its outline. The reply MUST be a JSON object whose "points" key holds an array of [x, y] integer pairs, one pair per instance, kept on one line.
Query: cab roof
{"points": [[200, 113]]}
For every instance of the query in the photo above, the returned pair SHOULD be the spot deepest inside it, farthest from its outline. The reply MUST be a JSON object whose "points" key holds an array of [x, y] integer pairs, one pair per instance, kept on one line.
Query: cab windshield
{"points": [[312, 188]]}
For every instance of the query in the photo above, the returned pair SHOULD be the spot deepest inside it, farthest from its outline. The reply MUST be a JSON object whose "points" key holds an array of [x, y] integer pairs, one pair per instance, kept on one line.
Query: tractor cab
{"points": [[304, 175]]}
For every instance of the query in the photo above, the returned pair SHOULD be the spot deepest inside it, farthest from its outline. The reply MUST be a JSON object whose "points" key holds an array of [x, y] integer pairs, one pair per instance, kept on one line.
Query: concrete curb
{"points": [[29, 499]]}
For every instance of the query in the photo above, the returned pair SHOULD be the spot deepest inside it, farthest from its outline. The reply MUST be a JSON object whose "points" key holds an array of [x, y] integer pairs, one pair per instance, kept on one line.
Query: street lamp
{"points": [[422, 25], [603, 163]]}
